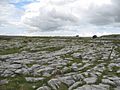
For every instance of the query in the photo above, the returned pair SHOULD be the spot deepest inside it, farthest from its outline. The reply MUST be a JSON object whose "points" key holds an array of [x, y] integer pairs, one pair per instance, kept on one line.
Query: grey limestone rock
{"points": [[77, 55], [54, 83], [44, 88], [68, 80], [75, 85], [90, 80], [93, 87], [32, 79]]}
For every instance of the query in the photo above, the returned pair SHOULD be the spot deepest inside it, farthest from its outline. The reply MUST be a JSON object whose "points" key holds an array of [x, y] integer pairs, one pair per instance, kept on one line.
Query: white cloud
{"points": [[62, 17], [9, 14], [50, 15]]}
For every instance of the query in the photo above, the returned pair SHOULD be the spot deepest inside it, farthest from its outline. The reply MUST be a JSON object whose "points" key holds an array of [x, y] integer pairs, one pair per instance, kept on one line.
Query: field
{"points": [[60, 63]]}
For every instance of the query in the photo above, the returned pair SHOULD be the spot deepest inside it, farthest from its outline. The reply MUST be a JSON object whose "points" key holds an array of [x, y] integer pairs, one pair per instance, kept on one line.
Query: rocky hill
{"points": [[59, 63]]}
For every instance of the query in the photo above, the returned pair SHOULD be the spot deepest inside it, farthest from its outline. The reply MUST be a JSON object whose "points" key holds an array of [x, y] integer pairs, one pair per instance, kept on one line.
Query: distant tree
{"points": [[77, 35], [94, 36]]}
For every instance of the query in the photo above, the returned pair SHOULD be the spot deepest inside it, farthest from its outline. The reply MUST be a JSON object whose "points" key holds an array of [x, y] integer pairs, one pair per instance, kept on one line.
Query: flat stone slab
{"points": [[32, 79], [90, 80]]}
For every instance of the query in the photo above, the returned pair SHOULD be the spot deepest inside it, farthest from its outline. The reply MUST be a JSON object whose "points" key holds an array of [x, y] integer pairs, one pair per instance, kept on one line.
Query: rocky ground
{"points": [[59, 63]]}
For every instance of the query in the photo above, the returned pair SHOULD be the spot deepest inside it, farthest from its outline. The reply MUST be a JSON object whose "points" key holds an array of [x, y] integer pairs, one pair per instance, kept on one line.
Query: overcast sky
{"points": [[59, 17]]}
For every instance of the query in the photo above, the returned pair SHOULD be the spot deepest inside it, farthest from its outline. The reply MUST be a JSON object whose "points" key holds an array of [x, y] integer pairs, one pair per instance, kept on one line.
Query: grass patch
{"points": [[51, 49], [99, 79], [10, 51], [19, 83], [63, 87], [30, 65], [118, 49], [74, 60]]}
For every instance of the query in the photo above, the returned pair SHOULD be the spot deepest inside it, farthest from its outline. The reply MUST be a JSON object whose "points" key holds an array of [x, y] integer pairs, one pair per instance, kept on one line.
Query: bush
{"points": [[95, 36]]}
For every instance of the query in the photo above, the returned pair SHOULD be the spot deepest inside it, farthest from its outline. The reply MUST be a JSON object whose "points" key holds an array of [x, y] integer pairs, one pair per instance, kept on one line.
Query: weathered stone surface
{"points": [[70, 63], [46, 70], [107, 81], [67, 80], [44, 88], [90, 80], [116, 80], [34, 67], [78, 77], [22, 71], [117, 88], [77, 55], [75, 67], [7, 73], [93, 87], [75, 85], [65, 70], [32, 79], [15, 66], [54, 83]]}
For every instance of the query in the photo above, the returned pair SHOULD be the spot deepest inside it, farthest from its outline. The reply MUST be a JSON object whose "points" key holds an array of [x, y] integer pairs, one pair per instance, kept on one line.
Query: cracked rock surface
{"points": [[59, 63]]}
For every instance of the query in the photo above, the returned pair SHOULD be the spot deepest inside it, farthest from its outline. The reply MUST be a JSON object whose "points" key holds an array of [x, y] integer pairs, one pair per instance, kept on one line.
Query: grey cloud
{"points": [[51, 20], [105, 15], [68, 13]]}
